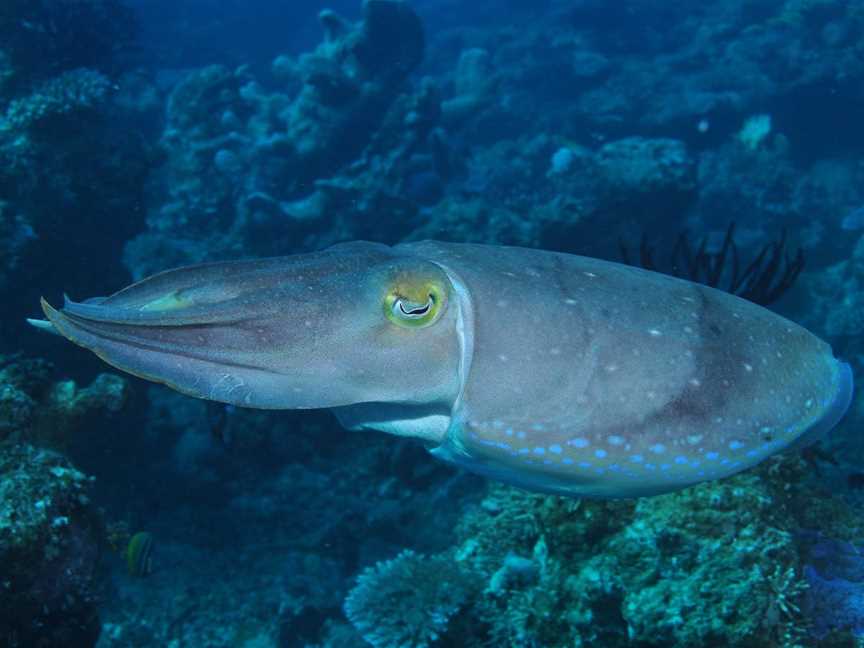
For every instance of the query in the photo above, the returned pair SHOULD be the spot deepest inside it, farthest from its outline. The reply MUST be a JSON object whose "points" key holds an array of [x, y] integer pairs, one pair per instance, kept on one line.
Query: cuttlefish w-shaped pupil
{"points": [[414, 310]]}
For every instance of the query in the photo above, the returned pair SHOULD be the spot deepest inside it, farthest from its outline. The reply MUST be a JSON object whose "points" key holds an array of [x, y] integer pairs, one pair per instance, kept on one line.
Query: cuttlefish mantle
{"points": [[554, 372]]}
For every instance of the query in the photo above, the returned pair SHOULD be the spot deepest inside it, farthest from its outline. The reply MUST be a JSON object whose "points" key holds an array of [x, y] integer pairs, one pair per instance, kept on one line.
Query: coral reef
{"points": [[565, 125], [49, 549], [834, 598], [718, 564], [67, 96], [34, 409], [50, 533], [70, 159], [242, 163], [42, 37]]}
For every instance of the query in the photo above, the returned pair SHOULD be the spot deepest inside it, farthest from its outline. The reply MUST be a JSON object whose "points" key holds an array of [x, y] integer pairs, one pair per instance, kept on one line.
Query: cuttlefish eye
{"points": [[415, 305]]}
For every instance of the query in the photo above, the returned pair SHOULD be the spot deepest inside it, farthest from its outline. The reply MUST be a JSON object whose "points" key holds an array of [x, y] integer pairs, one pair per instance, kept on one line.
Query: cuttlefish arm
{"points": [[555, 372], [298, 332]]}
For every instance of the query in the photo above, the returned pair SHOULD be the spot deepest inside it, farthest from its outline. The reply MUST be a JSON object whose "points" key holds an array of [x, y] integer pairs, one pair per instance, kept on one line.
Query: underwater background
{"points": [[140, 135]]}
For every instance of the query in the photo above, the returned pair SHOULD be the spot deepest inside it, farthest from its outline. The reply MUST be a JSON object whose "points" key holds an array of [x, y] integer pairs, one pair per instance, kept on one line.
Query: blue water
{"points": [[139, 136]]}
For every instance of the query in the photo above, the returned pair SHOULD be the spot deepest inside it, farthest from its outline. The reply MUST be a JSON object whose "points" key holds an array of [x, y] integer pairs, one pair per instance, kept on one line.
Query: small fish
{"points": [[854, 220], [139, 554]]}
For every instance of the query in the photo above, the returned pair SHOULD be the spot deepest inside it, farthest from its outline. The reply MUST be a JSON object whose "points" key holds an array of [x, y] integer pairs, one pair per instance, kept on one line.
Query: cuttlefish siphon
{"points": [[554, 372]]}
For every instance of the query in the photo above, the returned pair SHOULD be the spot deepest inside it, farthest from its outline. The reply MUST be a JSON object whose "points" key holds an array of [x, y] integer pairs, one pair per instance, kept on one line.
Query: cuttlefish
{"points": [[554, 372]]}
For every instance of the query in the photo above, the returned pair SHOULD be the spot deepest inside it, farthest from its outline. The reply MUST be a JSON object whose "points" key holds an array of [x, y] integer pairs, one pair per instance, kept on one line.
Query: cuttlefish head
{"points": [[357, 323]]}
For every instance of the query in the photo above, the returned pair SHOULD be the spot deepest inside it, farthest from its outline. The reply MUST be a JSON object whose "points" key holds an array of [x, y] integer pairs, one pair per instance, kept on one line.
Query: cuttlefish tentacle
{"points": [[554, 372]]}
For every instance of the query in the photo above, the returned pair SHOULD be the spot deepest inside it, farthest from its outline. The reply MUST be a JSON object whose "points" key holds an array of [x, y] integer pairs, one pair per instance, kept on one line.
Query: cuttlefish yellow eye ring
{"points": [[415, 306]]}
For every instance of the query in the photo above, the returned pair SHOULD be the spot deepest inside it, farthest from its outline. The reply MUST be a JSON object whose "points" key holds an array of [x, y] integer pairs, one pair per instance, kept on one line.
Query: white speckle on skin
{"points": [[590, 274], [654, 332], [503, 358], [695, 382], [688, 329], [570, 302], [611, 368], [748, 367], [554, 351], [693, 439]]}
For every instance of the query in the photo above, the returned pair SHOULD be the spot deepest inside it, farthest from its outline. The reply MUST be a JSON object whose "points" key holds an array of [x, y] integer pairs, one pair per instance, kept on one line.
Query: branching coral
{"points": [[70, 93]]}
